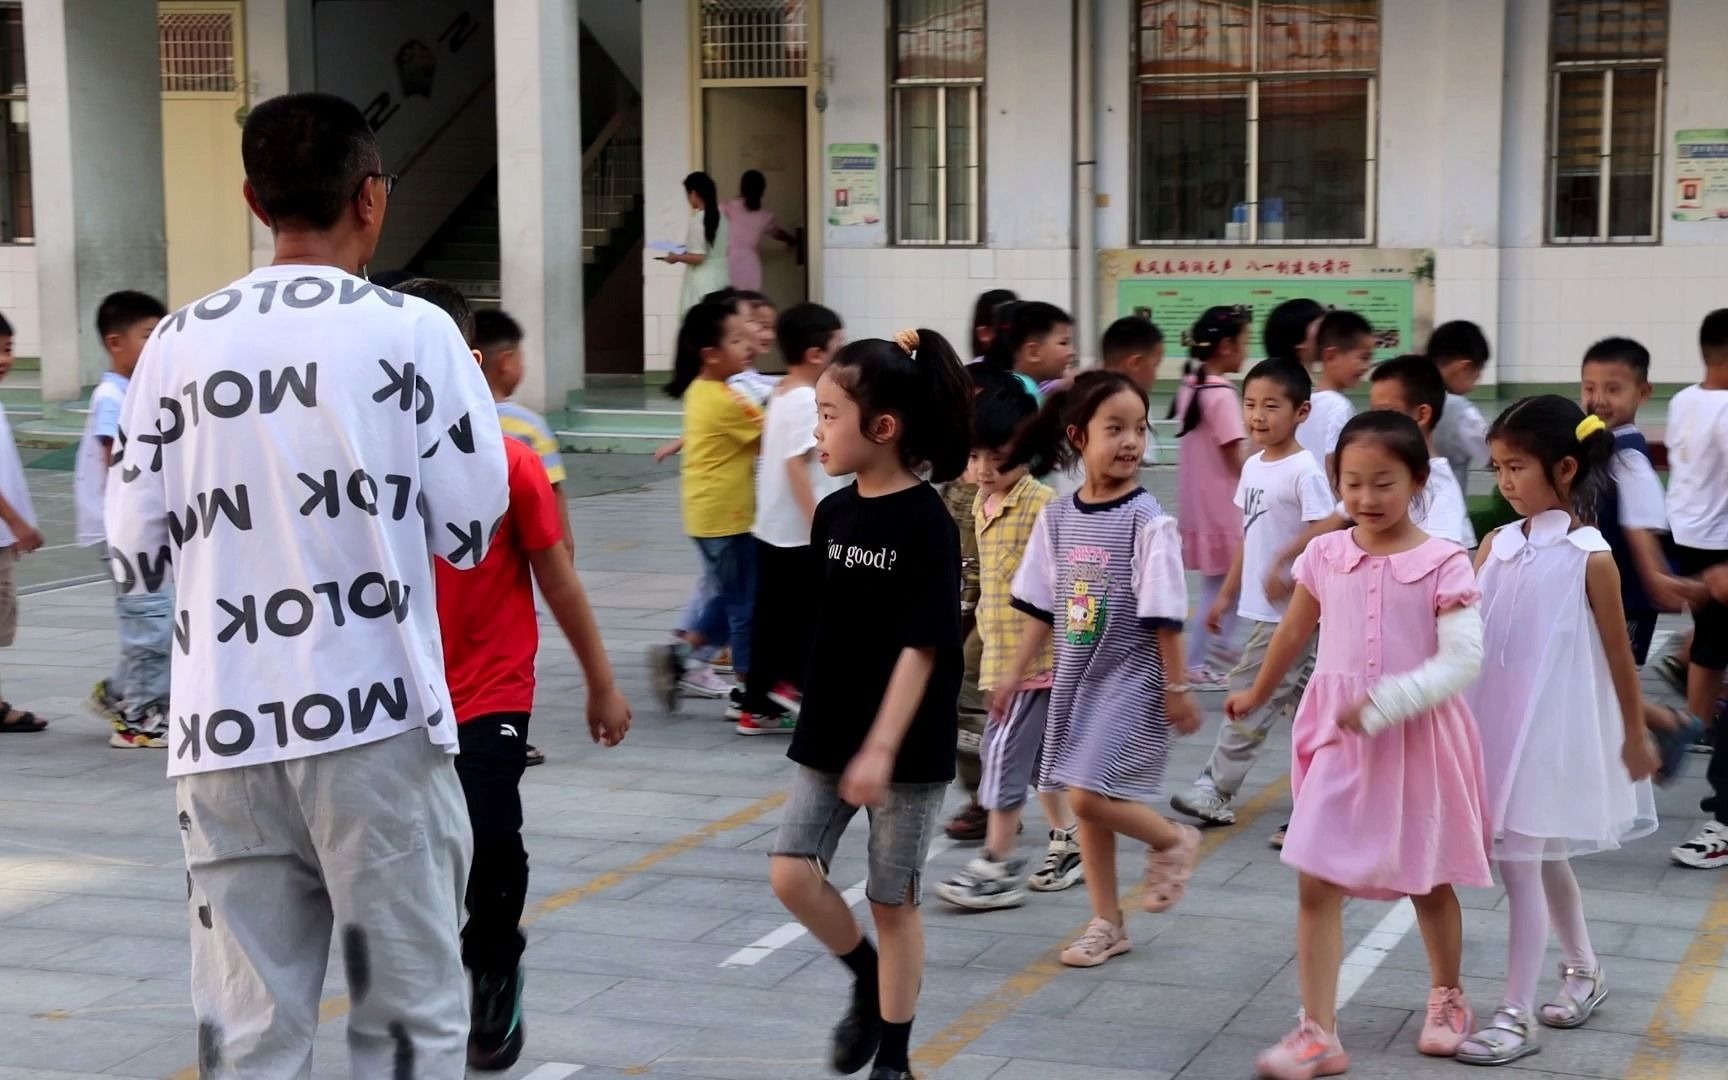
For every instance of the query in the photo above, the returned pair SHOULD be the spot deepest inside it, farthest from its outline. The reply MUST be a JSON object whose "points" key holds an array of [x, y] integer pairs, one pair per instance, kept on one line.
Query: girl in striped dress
{"points": [[1103, 574]]}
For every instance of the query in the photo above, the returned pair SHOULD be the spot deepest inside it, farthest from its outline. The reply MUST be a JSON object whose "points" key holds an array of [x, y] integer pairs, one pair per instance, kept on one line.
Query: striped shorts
{"points": [[1011, 750]]}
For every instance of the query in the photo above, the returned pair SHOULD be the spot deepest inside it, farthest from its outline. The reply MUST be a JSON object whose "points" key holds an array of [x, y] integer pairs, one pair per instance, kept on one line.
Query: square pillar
{"points": [[540, 191], [96, 152]]}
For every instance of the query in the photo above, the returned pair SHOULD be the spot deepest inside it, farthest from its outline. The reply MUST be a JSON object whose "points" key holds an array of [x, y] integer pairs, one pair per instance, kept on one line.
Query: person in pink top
{"points": [[749, 222], [1209, 460], [1387, 772]]}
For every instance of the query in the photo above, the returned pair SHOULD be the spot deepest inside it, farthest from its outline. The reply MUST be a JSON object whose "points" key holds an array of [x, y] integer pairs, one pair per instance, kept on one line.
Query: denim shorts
{"points": [[900, 831]]}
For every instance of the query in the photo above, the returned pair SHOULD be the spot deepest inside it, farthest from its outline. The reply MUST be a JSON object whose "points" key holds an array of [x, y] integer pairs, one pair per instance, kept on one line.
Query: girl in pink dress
{"points": [[1561, 715], [1208, 464], [750, 222], [1387, 772]]}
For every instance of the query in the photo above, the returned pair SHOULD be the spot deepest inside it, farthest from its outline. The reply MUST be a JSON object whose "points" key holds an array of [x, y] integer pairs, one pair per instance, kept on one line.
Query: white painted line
{"points": [[553, 1070], [785, 934], [1372, 950]]}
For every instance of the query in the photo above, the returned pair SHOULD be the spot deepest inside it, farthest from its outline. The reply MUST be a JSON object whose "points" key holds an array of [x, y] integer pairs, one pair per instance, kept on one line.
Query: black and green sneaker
{"points": [[495, 1027]]}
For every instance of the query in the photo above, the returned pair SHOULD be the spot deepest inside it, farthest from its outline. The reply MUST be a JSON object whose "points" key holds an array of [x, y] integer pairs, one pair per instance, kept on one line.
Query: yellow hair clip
{"points": [[908, 340], [1589, 426]]}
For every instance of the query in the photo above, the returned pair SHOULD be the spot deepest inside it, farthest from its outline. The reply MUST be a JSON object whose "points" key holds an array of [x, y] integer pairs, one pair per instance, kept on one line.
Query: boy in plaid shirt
{"points": [[1007, 505]]}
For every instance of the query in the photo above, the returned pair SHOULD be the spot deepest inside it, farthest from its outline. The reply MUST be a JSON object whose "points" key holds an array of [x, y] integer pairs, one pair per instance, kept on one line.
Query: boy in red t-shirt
{"points": [[491, 634]]}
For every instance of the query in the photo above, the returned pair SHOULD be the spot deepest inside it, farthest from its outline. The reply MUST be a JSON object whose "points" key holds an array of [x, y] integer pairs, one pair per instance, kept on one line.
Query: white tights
{"points": [[1540, 891]]}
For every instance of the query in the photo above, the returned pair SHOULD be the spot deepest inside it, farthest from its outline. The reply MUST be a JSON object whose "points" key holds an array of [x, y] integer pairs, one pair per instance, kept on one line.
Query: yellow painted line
{"points": [[337, 1007], [965, 1030], [1660, 1049]]}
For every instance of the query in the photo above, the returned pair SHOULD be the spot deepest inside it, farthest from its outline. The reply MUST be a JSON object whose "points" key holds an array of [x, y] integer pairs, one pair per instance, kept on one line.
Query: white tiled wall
{"points": [[18, 300], [877, 291], [1555, 301]]}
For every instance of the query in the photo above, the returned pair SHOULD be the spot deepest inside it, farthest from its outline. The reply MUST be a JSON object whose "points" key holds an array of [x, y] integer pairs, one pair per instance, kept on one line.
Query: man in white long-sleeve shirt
{"points": [[293, 451]]}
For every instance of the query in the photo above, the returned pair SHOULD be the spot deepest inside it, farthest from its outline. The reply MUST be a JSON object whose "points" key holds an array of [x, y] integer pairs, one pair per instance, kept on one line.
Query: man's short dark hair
{"points": [[494, 330], [1291, 378], [1341, 330], [1713, 332], [1131, 335], [306, 156], [1621, 350], [1459, 339], [1419, 380], [121, 311], [803, 327], [446, 298]]}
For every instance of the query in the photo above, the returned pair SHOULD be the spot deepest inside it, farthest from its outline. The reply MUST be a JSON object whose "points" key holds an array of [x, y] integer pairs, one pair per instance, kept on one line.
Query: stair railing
{"points": [[612, 170]]}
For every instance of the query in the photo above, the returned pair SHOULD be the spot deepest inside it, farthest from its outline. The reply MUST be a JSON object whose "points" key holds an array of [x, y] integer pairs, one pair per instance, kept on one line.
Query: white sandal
{"points": [[1504, 1041], [1568, 1010]]}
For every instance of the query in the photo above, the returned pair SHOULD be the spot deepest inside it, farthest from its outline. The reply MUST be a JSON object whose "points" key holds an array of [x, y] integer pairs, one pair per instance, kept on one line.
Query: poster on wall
{"points": [[1393, 288], [854, 183], [1701, 174]]}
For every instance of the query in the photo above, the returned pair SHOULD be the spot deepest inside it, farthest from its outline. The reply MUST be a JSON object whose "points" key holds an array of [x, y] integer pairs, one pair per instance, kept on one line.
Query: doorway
{"points": [[763, 128], [202, 47]]}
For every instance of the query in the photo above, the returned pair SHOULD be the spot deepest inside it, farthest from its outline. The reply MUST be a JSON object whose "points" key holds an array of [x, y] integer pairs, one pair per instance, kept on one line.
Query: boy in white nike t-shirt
{"points": [[135, 698], [1282, 488]]}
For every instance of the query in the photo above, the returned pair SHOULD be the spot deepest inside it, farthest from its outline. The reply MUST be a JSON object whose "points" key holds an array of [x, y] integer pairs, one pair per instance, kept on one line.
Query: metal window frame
{"points": [[1558, 68], [8, 227], [1253, 79], [975, 144]]}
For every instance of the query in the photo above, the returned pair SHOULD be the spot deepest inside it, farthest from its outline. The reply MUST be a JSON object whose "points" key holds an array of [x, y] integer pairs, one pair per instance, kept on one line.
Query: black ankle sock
{"points": [[862, 963], [891, 1052]]}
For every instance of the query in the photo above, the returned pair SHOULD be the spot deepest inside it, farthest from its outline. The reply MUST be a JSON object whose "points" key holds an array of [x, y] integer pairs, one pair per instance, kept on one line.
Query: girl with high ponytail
{"points": [[877, 727]]}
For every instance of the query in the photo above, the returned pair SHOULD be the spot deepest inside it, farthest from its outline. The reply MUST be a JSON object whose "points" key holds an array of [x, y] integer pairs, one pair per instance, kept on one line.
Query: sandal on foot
{"points": [[533, 755], [1504, 1041], [1568, 1010], [14, 722], [1168, 871]]}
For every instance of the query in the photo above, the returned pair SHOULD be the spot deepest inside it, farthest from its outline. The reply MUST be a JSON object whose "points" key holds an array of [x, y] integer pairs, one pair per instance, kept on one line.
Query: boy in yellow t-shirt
{"points": [[722, 433]]}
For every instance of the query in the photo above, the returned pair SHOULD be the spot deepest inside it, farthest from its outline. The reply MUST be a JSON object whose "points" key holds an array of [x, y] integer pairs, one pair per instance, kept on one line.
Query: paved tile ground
{"points": [[649, 874]]}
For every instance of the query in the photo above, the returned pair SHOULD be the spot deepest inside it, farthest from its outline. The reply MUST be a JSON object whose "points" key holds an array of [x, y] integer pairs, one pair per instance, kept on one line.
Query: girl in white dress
{"points": [[705, 244], [1563, 735]]}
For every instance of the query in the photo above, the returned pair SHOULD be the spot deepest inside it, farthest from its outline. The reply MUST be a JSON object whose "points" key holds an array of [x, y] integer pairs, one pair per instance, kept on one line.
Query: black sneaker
{"points": [[495, 1027], [856, 1037], [884, 1072]]}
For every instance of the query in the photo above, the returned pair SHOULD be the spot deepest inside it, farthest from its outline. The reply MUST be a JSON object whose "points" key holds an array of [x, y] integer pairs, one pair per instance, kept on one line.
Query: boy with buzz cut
{"points": [[1631, 512], [1698, 520], [1039, 344], [1281, 491], [498, 337], [135, 698], [491, 635], [18, 536], [1460, 350], [1134, 346]]}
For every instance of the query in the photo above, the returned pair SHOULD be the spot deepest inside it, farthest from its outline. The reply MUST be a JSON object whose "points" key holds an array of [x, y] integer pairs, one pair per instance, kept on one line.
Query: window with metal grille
{"points": [[1605, 136], [17, 204], [755, 39], [197, 50], [938, 120], [1255, 121]]}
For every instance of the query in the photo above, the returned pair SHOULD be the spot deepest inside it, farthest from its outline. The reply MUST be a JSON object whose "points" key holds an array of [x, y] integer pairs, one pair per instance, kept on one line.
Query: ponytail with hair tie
{"points": [[1589, 426], [908, 340]]}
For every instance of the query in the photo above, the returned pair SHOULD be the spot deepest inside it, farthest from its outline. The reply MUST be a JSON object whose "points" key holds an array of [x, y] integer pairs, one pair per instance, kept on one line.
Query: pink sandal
{"points": [[1168, 871]]}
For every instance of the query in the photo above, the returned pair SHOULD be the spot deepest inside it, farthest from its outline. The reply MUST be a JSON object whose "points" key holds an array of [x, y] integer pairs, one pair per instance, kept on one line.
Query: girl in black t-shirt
{"points": [[878, 721]]}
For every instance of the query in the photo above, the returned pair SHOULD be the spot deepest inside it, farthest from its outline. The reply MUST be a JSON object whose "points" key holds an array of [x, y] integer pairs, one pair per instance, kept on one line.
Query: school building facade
{"points": [[1555, 170]]}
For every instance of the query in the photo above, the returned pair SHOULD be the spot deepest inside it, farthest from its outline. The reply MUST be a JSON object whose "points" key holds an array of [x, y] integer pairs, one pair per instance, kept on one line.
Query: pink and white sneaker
{"points": [[1303, 1054], [1449, 1020]]}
